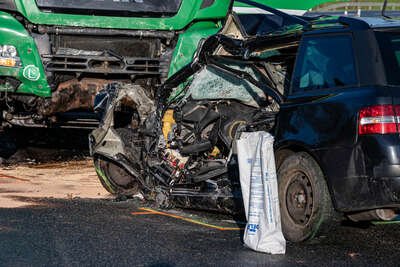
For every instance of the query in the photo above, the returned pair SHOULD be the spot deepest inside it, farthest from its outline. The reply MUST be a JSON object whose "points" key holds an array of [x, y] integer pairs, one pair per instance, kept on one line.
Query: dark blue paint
{"points": [[362, 172]]}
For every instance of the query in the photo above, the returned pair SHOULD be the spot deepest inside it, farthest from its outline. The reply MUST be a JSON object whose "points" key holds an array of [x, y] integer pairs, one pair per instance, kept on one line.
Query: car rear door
{"points": [[320, 112]]}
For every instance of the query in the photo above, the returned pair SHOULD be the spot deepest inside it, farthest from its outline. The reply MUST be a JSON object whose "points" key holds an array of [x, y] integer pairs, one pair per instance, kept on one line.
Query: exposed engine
{"points": [[197, 137], [196, 149]]}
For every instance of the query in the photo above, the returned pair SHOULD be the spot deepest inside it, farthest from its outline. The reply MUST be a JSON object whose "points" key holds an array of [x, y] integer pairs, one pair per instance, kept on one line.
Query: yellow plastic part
{"points": [[215, 152], [8, 62], [168, 123]]}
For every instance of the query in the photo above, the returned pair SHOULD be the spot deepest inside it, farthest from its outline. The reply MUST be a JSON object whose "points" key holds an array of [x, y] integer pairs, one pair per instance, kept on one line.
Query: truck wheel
{"points": [[305, 203], [115, 179]]}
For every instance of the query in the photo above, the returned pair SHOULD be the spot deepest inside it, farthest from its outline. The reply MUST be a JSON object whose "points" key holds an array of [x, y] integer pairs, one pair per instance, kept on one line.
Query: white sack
{"points": [[259, 184]]}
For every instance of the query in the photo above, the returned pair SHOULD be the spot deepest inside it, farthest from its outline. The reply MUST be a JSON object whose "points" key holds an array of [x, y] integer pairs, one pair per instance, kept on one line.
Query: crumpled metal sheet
{"points": [[134, 95], [119, 94], [73, 94]]}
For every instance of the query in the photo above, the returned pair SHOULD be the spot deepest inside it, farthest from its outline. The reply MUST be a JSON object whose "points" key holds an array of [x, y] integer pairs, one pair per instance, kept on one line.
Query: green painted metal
{"points": [[203, 22], [291, 4], [105, 179], [13, 33], [192, 23], [188, 42], [189, 11], [385, 222]]}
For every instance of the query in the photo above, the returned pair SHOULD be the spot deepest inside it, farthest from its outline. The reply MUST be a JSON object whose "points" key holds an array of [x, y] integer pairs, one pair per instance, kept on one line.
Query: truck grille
{"points": [[105, 65]]}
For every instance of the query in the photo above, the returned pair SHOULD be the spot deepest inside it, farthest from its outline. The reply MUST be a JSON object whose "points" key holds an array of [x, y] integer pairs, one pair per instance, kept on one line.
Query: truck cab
{"points": [[56, 55]]}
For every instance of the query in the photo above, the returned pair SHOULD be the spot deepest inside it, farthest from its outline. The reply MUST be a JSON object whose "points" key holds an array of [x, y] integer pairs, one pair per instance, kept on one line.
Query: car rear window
{"points": [[324, 62], [389, 44]]}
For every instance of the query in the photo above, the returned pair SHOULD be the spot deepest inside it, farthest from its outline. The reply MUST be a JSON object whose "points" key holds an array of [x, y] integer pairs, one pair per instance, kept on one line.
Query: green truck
{"points": [[55, 56]]}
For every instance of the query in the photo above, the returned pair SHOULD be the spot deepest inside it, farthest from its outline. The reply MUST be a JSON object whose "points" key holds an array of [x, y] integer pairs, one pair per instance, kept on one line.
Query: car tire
{"points": [[305, 202], [115, 179]]}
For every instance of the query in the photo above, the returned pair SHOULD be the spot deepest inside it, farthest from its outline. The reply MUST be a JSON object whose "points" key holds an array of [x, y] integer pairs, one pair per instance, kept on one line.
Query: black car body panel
{"points": [[325, 125], [361, 171]]}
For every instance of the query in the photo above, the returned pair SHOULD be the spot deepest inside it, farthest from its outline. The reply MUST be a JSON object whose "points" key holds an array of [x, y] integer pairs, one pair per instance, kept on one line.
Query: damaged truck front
{"points": [[56, 55]]}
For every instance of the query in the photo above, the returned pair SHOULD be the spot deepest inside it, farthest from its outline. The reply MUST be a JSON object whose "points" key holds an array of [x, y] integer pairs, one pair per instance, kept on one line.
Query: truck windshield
{"points": [[389, 44], [112, 7]]}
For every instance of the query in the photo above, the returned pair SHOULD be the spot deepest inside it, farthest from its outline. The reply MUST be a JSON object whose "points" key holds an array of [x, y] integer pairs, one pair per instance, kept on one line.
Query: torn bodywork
{"points": [[177, 146], [73, 94]]}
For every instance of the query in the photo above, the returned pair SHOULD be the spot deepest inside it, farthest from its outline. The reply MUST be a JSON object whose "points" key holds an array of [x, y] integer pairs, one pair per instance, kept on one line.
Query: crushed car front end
{"points": [[177, 147]]}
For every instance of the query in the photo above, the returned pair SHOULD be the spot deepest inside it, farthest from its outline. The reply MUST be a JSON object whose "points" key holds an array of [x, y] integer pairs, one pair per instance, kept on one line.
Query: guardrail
{"points": [[357, 5]]}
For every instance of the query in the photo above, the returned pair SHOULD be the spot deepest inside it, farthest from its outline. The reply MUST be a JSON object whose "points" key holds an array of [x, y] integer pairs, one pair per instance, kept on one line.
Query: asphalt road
{"points": [[81, 232]]}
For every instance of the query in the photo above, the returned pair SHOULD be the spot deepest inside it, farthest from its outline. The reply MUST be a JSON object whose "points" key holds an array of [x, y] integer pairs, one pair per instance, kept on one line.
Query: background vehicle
{"points": [[336, 125]]}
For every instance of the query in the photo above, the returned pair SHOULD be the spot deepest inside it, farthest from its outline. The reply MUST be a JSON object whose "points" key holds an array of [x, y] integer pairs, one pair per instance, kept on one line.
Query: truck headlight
{"points": [[9, 51], [9, 56]]}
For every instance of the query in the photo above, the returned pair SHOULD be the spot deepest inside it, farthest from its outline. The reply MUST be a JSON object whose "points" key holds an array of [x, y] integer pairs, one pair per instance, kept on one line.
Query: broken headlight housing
{"points": [[9, 56]]}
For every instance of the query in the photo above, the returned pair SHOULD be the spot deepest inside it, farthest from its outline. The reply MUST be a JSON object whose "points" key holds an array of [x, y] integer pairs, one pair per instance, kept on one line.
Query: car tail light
{"points": [[379, 119]]}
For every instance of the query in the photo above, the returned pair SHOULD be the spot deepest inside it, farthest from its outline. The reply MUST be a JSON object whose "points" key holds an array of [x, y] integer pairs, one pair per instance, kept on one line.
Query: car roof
{"points": [[353, 22], [380, 22]]}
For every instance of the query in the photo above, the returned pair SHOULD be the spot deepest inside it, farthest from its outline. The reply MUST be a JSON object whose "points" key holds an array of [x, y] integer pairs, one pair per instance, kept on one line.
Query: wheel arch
{"points": [[288, 148]]}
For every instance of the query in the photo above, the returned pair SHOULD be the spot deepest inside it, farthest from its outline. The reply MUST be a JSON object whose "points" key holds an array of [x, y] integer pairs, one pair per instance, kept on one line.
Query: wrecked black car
{"points": [[331, 109]]}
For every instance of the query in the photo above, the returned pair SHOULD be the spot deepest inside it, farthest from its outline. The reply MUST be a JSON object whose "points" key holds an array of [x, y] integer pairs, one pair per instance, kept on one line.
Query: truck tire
{"points": [[305, 202]]}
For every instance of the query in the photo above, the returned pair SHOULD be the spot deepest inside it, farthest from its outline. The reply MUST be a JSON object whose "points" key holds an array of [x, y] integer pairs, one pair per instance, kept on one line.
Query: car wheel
{"points": [[305, 203], [115, 179]]}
